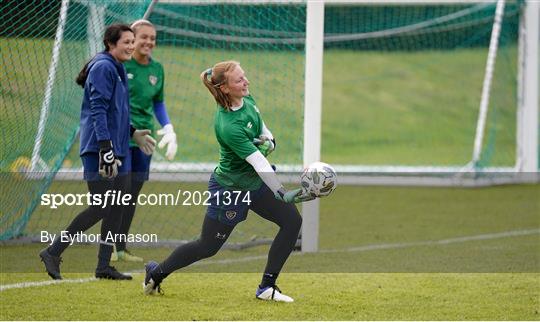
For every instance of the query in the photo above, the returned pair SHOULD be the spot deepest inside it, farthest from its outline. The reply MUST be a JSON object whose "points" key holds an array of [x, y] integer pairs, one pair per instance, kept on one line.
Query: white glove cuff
{"points": [[266, 132], [168, 128]]}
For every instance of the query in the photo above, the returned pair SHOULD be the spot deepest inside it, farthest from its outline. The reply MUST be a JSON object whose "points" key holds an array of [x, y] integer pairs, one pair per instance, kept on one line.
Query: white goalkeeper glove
{"points": [[146, 143], [169, 139]]}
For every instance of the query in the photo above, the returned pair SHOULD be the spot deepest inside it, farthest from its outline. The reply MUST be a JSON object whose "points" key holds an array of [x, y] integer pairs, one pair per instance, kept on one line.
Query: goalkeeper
{"points": [[104, 134], [244, 169], [146, 83]]}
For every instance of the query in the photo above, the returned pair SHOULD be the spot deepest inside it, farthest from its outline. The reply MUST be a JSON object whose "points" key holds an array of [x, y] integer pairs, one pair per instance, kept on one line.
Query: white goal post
{"points": [[37, 164], [312, 115], [529, 71]]}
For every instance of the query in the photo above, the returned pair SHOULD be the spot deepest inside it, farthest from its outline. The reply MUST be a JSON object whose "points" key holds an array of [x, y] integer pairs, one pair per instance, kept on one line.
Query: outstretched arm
{"points": [[269, 177]]}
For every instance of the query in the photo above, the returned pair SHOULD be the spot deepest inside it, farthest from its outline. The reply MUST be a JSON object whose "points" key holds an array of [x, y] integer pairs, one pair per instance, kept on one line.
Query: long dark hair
{"points": [[113, 33]]}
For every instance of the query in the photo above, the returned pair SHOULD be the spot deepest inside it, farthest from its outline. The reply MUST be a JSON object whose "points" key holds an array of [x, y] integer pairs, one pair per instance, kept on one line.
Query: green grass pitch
{"points": [[336, 296], [387, 253]]}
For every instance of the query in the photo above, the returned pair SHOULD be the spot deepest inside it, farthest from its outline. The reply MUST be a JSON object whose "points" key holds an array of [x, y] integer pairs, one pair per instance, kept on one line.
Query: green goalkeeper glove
{"points": [[292, 196], [265, 144]]}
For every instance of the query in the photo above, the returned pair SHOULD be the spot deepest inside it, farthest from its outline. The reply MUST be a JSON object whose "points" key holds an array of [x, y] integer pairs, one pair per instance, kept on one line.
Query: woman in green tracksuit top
{"points": [[243, 180]]}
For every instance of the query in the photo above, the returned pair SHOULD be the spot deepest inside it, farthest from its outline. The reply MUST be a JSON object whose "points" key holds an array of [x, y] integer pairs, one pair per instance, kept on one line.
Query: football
{"points": [[319, 179]]}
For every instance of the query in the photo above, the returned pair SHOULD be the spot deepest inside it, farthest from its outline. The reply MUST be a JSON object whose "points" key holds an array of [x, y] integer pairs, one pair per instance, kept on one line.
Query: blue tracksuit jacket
{"points": [[105, 106]]}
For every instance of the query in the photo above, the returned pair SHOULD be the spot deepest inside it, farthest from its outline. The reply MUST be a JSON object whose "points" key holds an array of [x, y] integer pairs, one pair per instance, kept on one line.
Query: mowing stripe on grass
{"points": [[45, 283], [505, 234]]}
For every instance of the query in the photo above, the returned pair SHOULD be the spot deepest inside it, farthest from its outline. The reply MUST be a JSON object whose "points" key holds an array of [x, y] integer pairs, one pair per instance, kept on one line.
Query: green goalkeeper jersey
{"points": [[235, 131], [145, 88]]}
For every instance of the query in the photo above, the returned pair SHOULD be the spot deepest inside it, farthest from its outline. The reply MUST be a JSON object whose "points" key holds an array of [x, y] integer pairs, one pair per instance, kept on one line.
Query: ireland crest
{"points": [[230, 214]]}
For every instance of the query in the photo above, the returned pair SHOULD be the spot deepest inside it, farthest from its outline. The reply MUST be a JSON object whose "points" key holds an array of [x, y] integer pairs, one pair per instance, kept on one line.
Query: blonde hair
{"points": [[139, 23], [216, 76]]}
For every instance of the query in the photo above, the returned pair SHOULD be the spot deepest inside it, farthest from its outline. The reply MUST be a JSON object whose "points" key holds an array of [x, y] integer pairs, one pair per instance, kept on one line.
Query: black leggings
{"points": [[129, 211], [110, 216], [214, 234]]}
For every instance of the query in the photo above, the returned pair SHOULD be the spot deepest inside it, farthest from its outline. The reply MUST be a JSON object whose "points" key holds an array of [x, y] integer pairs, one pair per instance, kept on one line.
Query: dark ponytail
{"points": [[83, 75], [113, 33]]}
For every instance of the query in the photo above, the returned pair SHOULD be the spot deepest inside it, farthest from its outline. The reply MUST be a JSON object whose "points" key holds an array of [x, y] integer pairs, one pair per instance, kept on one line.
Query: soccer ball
{"points": [[319, 179]]}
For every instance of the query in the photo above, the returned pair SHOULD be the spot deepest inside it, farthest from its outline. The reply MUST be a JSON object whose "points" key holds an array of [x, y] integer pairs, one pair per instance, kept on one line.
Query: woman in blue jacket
{"points": [[104, 134]]}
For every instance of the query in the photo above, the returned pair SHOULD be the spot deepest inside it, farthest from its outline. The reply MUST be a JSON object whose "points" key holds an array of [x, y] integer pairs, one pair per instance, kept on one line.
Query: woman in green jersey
{"points": [[243, 180], [146, 80]]}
